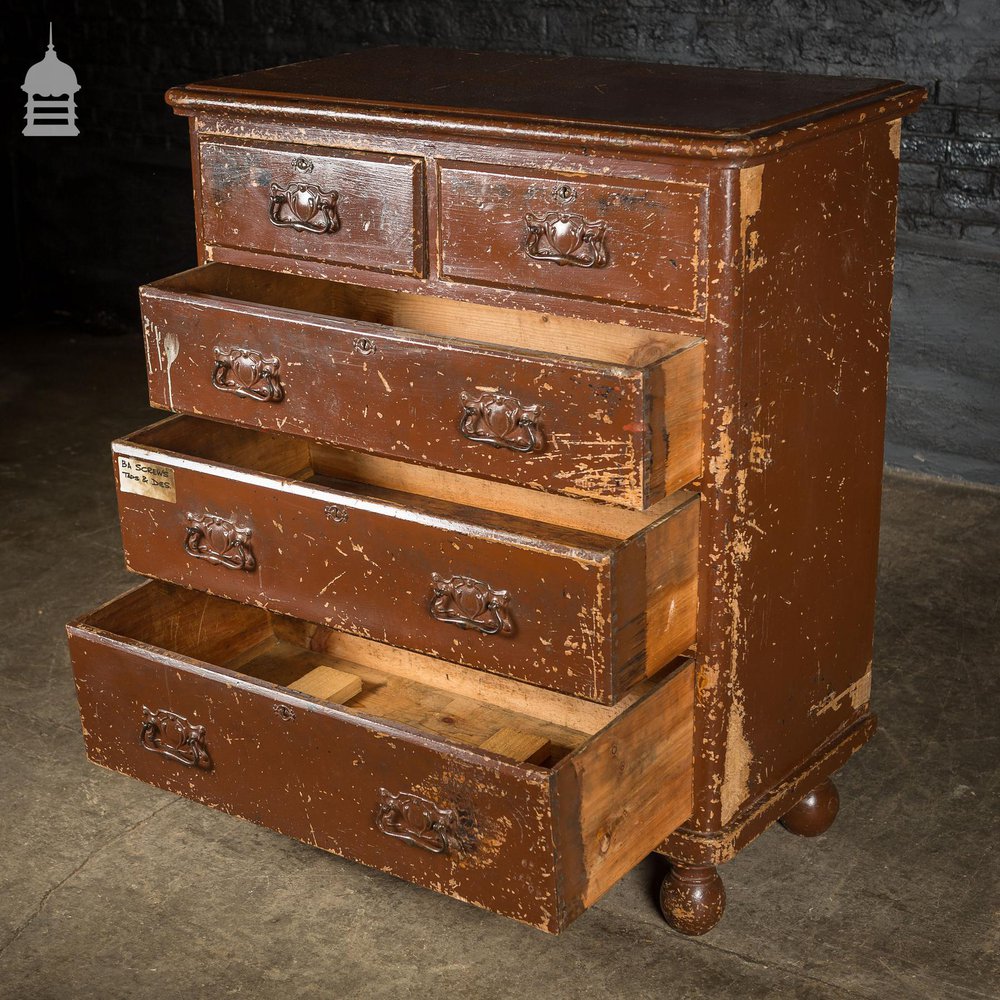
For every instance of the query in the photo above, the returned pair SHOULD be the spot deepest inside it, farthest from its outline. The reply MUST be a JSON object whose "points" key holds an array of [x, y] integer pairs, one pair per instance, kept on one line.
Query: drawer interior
{"points": [[513, 720], [493, 506], [522, 330]]}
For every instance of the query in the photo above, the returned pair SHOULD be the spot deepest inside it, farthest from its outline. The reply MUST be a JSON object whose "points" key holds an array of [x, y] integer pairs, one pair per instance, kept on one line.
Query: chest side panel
{"points": [[794, 467]]}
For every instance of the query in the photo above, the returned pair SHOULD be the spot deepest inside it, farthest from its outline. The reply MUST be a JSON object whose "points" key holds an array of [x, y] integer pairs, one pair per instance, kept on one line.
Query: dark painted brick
{"points": [[608, 33], [924, 149], [966, 207], [919, 174], [979, 124], [982, 234], [931, 120], [981, 94], [919, 200], [971, 181], [975, 153], [929, 225]]}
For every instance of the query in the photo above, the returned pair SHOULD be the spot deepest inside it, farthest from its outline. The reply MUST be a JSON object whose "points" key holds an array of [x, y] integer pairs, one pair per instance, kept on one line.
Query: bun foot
{"points": [[813, 813], [692, 898]]}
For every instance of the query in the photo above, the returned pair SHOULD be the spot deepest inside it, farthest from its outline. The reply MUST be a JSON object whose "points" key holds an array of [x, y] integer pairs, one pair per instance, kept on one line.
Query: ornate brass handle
{"points": [[171, 735], [220, 541], [248, 373], [565, 238], [469, 603], [303, 206], [418, 821], [501, 421]]}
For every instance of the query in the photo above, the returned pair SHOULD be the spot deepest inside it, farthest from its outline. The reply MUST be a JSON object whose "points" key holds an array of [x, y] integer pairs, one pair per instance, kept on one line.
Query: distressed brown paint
{"points": [[374, 218], [533, 233], [326, 775], [650, 238], [623, 427], [580, 604]]}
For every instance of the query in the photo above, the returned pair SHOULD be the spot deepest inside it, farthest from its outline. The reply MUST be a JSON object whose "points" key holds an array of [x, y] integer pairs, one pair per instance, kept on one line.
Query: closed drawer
{"points": [[199, 696], [584, 409], [632, 242], [561, 593], [334, 206]]}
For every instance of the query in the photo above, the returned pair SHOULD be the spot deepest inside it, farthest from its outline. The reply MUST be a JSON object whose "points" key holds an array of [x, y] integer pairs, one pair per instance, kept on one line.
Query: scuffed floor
{"points": [[112, 889]]}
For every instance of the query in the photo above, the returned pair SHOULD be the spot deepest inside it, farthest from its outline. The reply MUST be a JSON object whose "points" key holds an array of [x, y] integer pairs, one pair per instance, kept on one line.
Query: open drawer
{"points": [[568, 406], [526, 802], [562, 593]]}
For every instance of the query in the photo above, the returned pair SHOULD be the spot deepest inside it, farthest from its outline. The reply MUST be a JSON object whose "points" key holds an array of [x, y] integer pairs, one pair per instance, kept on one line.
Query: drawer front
{"points": [[536, 842], [540, 608], [426, 812], [341, 207], [630, 242], [585, 429]]}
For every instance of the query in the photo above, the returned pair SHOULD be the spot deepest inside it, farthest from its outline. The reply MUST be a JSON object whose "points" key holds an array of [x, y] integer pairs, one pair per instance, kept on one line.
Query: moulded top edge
{"points": [[585, 98]]}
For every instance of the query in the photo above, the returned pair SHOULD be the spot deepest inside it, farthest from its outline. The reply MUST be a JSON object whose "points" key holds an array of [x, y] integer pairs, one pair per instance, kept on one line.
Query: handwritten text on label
{"points": [[135, 475]]}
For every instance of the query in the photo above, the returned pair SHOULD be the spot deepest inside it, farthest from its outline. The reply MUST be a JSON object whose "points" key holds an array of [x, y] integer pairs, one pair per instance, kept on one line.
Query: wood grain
{"points": [[390, 373], [518, 842], [633, 779], [517, 745], [328, 684], [361, 558]]}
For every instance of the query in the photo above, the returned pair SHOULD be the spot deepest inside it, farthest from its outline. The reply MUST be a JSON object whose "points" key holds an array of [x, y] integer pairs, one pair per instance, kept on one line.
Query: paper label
{"points": [[136, 475]]}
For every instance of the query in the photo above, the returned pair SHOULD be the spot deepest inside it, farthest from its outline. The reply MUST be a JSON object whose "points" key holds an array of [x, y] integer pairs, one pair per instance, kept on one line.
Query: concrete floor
{"points": [[111, 889]]}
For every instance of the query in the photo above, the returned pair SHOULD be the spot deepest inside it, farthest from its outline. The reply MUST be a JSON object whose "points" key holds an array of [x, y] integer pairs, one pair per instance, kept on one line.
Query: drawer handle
{"points": [[248, 373], [220, 541], [501, 421], [566, 238], [468, 603], [418, 821], [171, 735], [304, 207]]}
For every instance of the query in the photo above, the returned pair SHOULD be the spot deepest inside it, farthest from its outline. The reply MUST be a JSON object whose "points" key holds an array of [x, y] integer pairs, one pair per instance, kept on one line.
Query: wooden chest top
{"points": [[727, 109]]}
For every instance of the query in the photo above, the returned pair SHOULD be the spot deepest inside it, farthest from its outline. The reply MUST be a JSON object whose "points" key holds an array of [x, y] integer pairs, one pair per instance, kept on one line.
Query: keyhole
{"points": [[565, 194]]}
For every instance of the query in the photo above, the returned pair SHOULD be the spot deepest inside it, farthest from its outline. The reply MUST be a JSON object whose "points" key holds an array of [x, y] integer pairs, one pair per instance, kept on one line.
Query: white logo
{"points": [[51, 88]]}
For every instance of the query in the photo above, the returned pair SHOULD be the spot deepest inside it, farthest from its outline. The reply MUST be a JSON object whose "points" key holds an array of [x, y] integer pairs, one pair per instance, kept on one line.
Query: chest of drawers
{"points": [[518, 516]]}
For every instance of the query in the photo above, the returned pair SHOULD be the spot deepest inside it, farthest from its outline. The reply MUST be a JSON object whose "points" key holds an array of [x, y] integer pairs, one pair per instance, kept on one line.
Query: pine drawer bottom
{"points": [[523, 801]]}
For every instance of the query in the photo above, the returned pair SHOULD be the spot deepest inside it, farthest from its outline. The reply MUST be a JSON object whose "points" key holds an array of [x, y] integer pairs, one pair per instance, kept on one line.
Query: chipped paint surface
{"points": [[751, 185], [895, 134], [795, 390], [735, 786], [598, 434], [372, 573], [858, 695], [794, 309]]}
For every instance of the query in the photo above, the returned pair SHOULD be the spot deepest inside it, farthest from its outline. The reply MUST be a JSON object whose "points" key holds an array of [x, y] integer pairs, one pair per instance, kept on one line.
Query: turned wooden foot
{"points": [[692, 898], [813, 813]]}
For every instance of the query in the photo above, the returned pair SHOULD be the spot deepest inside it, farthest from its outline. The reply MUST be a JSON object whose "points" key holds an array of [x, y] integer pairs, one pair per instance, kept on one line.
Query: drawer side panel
{"points": [[632, 782]]}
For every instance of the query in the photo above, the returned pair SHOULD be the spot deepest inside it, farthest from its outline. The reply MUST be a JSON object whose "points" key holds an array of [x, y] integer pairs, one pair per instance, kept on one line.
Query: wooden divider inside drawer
{"points": [[195, 694], [561, 593], [568, 406]]}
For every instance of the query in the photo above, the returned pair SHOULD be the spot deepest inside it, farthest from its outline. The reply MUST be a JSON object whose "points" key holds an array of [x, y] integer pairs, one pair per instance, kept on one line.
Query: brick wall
{"points": [[950, 163], [97, 215], [126, 54]]}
